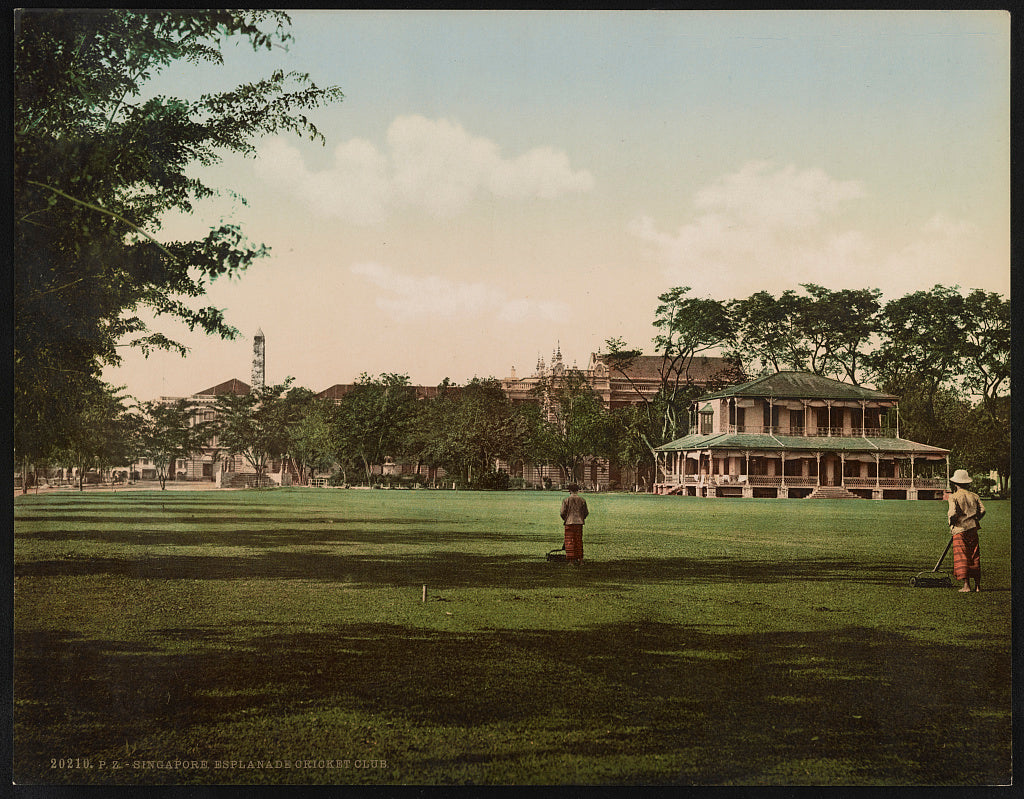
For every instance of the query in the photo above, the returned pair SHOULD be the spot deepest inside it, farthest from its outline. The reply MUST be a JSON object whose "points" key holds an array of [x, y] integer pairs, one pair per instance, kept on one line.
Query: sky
{"points": [[499, 184]]}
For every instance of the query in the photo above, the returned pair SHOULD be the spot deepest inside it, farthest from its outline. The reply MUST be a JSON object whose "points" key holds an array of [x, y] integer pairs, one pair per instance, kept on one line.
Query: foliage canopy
{"points": [[98, 165]]}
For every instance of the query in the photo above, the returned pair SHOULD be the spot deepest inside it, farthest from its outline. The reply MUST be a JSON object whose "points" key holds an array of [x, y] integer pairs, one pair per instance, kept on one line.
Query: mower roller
{"points": [[933, 579]]}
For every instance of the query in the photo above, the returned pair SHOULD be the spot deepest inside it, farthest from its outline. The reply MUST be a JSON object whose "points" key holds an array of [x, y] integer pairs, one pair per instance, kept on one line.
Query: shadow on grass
{"points": [[453, 569], [242, 533], [723, 707]]}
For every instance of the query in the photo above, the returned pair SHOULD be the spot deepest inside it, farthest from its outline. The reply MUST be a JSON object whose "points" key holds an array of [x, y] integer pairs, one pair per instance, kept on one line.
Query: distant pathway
{"points": [[149, 485]]}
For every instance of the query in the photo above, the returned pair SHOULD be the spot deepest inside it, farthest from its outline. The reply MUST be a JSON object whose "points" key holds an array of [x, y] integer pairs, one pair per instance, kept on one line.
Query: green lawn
{"points": [[284, 633]]}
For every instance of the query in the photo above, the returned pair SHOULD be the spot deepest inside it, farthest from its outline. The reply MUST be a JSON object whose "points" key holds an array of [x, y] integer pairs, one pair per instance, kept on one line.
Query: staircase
{"points": [[831, 492], [242, 480]]}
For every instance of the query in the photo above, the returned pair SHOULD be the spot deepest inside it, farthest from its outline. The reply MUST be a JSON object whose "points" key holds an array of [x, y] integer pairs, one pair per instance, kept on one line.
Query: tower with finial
{"points": [[557, 367], [259, 360]]}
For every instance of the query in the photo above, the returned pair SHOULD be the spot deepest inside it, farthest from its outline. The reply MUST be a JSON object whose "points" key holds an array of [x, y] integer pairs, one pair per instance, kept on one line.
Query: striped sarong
{"points": [[574, 542], [966, 555]]}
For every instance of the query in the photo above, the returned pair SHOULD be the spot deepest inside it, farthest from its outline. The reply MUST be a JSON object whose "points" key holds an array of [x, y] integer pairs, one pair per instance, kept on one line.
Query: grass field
{"points": [[281, 637]]}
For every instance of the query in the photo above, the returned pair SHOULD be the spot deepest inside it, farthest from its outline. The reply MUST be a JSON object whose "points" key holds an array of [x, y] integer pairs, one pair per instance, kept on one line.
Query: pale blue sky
{"points": [[496, 183]]}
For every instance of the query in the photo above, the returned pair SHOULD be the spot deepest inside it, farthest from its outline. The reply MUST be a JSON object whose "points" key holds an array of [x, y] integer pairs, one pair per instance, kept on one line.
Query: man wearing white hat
{"points": [[965, 513]]}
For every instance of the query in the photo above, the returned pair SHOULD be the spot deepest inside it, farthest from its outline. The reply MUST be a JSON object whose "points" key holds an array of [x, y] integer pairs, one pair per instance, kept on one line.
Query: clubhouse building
{"points": [[796, 435]]}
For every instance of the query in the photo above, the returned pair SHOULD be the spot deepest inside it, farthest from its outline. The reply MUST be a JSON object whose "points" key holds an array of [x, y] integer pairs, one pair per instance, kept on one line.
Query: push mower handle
{"points": [[942, 557]]}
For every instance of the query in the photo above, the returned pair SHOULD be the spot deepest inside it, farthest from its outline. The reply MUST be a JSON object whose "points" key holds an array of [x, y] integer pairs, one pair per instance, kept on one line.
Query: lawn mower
{"points": [[557, 554], [933, 579]]}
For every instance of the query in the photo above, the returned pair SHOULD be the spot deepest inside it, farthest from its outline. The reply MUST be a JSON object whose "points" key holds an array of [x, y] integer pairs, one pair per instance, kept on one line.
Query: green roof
{"points": [[759, 441], [799, 385]]}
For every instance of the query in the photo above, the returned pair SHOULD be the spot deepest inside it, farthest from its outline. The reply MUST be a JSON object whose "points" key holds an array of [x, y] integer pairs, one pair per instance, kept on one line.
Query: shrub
{"points": [[983, 487], [492, 481]]}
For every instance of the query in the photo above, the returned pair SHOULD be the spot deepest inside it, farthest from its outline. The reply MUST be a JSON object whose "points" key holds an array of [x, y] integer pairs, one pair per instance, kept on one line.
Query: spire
{"points": [[556, 360]]}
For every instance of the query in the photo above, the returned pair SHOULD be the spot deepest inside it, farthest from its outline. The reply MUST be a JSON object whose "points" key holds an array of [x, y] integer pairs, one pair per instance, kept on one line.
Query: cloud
{"points": [[435, 165], [766, 227], [417, 298], [760, 196], [945, 250]]}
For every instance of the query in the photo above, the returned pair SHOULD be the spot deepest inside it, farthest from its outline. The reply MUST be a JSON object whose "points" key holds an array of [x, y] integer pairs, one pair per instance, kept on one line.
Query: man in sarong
{"points": [[574, 512], [965, 513]]}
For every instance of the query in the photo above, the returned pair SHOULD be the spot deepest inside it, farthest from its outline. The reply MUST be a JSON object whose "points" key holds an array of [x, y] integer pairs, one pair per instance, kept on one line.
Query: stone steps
{"points": [[243, 480], [831, 492]]}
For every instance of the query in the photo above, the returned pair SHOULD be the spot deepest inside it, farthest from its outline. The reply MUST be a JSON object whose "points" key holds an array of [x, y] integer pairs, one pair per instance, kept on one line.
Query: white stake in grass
{"points": [[424, 593]]}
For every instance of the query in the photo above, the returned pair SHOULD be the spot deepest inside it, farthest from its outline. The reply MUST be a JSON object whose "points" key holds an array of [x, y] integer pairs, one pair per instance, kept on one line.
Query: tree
{"points": [[765, 332], [427, 436], [689, 328], [632, 434], [98, 166], [984, 443], [98, 436], [920, 348], [312, 437], [837, 327], [169, 432], [579, 425], [255, 425], [985, 344], [374, 419]]}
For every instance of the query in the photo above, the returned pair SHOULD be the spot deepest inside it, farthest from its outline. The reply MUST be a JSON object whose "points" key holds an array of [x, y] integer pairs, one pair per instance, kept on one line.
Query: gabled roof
{"points": [[761, 441], [232, 386], [339, 390], [702, 369], [800, 385]]}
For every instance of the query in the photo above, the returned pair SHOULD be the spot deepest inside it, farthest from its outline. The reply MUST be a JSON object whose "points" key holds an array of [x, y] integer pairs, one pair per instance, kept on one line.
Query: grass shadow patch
{"points": [[884, 708]]}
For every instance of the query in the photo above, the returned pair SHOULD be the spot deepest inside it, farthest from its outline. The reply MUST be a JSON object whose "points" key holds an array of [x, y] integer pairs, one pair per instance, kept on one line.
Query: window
{"points": [[706, 423]]}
